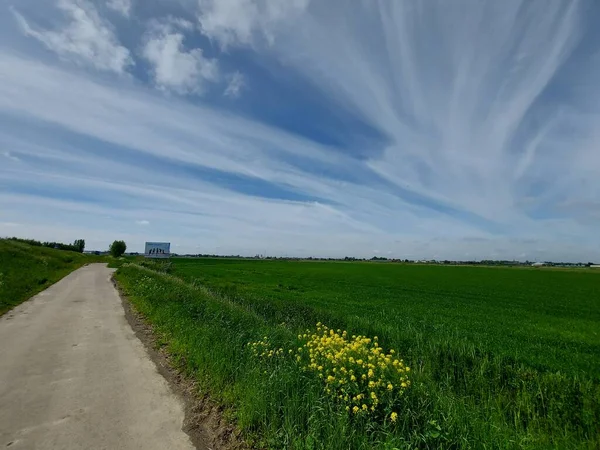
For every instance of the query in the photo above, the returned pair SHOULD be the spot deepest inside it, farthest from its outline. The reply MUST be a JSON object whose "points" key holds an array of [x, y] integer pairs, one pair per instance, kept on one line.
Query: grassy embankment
{"points": [[500, 358], [26, 270]]}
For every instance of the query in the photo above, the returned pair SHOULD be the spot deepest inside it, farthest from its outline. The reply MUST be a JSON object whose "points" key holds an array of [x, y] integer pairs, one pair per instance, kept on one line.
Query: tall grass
{"points": [[28, 269], [462, 394]]}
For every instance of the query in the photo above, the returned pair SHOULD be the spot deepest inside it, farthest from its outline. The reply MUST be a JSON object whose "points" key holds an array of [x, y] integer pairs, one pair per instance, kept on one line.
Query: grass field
{"points": [[26, 270], [499, 357]]}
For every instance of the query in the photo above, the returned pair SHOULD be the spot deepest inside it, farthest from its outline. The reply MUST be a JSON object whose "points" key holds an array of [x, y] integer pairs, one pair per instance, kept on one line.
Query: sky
{"points": [[406, 129]]}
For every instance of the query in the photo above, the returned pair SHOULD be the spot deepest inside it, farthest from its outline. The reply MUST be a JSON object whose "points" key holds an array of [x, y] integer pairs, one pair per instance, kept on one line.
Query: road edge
{"points": [[203, 420], [42, 289]]}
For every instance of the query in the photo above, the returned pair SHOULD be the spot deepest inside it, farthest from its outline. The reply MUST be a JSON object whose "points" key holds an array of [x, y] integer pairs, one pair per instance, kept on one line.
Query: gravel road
{"points": [[74, 376]]}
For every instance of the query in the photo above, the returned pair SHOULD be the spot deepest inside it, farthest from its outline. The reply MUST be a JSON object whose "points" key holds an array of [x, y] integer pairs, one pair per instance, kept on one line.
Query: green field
{"points": [[500, 357], [26, 270]]}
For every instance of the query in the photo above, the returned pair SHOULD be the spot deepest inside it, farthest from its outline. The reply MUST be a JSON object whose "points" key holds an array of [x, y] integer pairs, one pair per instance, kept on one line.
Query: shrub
{"points": [[117, 248]]}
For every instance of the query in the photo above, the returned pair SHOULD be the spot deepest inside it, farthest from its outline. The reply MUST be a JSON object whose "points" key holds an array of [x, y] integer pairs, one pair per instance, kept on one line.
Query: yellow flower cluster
{"points": [[355, 369], [263, 349]]}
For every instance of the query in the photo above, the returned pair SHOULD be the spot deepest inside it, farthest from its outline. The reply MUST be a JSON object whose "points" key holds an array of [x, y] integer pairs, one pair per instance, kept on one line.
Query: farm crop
{"points": [[498, 357]]}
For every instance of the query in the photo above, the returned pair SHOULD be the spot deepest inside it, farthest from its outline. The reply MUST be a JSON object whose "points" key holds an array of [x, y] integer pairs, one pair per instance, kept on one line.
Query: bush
{"points": [[117, 248]]}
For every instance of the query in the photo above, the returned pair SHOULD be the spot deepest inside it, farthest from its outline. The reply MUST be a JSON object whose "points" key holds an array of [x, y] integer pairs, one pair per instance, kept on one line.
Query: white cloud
{"points": [[239, 21], [227, 231], [193, 135], [10, 156], [86, 39], [236, 83], [175, 68], [142, 222], [176, 22], [123, 7], [460, 108], [489, 124], [195, 210]]}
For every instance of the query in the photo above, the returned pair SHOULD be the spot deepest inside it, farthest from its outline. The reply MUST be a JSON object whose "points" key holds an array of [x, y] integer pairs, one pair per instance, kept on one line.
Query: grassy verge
{"points": [[461, 394], [26, 270]]}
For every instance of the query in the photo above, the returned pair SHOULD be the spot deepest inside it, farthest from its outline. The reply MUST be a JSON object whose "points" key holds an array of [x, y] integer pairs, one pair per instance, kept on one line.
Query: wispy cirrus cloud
{"points": [[460, 113], [235, 85], [468, 130], [123, 7], [10, 156]]}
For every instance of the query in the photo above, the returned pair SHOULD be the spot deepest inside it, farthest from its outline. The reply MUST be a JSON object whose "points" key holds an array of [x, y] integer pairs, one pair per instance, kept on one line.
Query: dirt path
{"points": [[73, 375]]}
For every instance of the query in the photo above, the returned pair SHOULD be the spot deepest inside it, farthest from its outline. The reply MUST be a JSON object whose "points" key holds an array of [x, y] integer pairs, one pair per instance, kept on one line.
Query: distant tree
{"points": [[117, 248], [79, 244], [60, 246], [27, 241], [378, 258]]}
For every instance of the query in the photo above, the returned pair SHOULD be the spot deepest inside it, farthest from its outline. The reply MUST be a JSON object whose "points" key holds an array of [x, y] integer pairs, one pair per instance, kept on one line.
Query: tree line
{"points": [[77, 246], [117, 248]]}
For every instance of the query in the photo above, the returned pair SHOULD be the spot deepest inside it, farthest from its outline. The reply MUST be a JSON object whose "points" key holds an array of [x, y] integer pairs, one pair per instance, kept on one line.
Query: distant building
{"points": [[538, 264], [595, 266]]}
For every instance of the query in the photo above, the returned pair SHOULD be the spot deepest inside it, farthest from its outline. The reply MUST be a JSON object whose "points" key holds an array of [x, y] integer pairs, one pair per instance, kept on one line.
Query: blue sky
{"points": [[409, 129]]}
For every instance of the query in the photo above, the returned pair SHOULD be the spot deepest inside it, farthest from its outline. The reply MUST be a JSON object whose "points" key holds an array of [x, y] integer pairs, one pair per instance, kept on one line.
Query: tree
{"points": [[79, 244], [117, 248]]}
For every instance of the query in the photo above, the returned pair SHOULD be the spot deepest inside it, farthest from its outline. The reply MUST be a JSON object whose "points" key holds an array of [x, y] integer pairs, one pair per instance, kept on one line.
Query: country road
{"points": [[73, 375]]}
